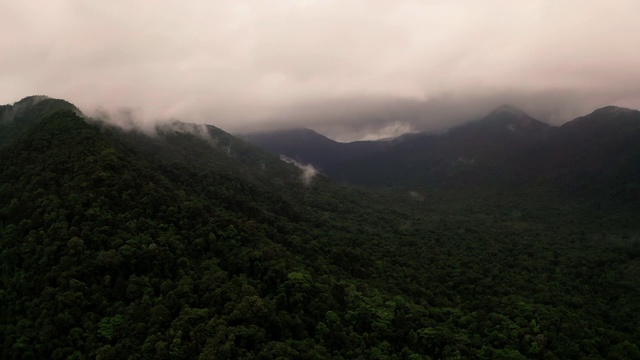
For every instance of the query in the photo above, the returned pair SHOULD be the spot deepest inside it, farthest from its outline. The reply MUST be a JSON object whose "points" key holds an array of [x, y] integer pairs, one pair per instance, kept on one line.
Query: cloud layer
{"points": [[351, 69]]}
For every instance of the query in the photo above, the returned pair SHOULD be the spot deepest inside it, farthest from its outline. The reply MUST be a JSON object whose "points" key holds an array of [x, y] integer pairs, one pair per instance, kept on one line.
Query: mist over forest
{"points": [[306, 179]]}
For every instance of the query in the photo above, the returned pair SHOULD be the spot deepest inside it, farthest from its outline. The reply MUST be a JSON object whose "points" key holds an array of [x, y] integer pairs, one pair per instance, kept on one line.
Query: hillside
{"points": [[595, 156], [194, 244], [600, 153], [18, 117], [307, 146]]}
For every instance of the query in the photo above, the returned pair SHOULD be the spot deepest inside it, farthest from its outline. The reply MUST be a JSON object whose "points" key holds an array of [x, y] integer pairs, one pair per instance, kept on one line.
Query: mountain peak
{"points": [[513, 118], [31, 100], [43, 104], [504, 119], [612, 110], [288, 135], [300, 132], [16, 118], [606, 119], [507, 109]]}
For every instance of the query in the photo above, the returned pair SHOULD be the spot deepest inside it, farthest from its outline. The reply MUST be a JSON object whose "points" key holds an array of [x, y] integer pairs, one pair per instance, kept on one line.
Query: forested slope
{"points": [[192, 244]]}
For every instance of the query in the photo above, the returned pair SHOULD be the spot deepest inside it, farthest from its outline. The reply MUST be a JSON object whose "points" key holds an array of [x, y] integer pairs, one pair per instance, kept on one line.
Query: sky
{"points": [[350, 69]]}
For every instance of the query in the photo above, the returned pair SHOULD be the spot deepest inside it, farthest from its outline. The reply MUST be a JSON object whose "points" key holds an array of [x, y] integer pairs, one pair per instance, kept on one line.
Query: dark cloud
{"points": [[352, 69]]}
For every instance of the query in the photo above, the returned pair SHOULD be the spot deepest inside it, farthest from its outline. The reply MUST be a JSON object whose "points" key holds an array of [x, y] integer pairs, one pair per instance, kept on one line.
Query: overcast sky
{"points": [[350, 69]]}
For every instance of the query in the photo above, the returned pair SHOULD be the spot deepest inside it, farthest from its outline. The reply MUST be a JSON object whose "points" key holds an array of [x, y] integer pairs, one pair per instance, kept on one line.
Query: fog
{"points": [[349, 69], [308, 170]]}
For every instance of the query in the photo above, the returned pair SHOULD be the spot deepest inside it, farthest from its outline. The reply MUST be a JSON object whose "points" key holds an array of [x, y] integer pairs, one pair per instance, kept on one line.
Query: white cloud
{"points": [[308, 170], [247, 63]]}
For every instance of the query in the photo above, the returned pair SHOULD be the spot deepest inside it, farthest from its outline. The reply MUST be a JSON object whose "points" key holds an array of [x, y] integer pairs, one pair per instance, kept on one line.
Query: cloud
{"points": [[308, 170], [416, 196], [351, 68]]}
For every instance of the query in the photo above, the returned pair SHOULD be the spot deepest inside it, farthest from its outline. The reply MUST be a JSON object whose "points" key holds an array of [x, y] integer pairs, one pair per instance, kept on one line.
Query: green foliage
{"points": [[120, 245]]}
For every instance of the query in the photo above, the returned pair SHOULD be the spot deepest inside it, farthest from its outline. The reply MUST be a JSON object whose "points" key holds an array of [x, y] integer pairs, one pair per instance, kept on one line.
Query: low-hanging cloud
{"points": [[308, 171], [351, 69]]}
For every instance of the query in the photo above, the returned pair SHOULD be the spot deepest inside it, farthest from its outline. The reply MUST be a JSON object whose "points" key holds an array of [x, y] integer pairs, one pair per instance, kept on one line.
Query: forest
{"points": [[192, 244]]}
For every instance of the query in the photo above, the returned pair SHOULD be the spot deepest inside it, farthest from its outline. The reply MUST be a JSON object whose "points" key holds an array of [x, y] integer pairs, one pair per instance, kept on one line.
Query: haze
{"points": [[350, 69]]}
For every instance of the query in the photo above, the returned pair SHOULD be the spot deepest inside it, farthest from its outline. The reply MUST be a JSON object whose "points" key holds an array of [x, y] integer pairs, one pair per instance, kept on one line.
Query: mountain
{"points": [[16, 118], [413, 157], [309, 147], [599, 152], [506, 147], [190, 243], [115, 244], [504, 120], [470, 153]]}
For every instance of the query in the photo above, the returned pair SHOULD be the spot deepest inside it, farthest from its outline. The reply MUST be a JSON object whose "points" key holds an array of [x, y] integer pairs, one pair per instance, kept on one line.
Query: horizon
{"points": [[126, 122], [354, 70]]}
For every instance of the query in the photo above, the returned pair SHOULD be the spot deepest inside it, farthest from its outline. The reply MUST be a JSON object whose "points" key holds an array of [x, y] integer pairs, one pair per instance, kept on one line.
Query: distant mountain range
{"points": [[599, 152]]}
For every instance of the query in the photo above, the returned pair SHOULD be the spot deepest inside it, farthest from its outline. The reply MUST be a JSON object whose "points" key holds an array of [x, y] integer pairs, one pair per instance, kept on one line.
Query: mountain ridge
{"points": [[191, 243], [505, 145]]}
